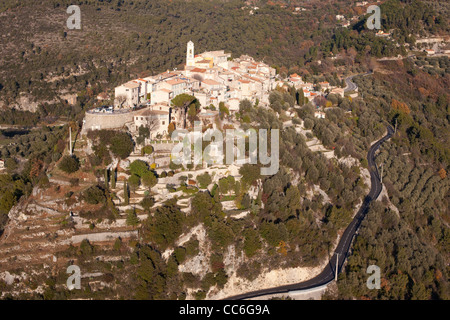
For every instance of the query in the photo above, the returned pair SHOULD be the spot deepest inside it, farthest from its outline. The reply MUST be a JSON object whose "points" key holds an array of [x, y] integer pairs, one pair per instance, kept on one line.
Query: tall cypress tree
{"points": [[106, 179], [300, 97], [113, 179], [125, 193]]}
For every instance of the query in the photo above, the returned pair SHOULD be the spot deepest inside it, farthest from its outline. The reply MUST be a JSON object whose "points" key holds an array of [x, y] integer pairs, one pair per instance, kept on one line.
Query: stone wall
{"points": [[103, 236], [99, 121]]}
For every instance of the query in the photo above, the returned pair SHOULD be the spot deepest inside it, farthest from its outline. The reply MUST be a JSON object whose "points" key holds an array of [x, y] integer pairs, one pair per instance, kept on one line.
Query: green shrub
{"points": [[121, 145], [117, 244], [147, 202], [69, 164], [134, 181], [180, 254], [204, 180], [208, 281], [308, 124], [94, 195], [200, 295], [86, 248], [221, 278], [192, 247], [147, 150], [132, 218], [252, 242], [139, 167], [149, 179]]}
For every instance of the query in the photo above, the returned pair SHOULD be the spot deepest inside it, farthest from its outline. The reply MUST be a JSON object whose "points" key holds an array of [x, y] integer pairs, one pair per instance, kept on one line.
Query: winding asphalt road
{"points": [[351, 86], [343, 247]]}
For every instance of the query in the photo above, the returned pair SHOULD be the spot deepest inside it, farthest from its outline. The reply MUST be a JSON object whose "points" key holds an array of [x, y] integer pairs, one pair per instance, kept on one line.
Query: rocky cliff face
{"points": [[25, 103]]}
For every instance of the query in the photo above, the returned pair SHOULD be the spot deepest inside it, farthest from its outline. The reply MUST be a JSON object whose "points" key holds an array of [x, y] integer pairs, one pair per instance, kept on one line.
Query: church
{"points": [[208, 59]]}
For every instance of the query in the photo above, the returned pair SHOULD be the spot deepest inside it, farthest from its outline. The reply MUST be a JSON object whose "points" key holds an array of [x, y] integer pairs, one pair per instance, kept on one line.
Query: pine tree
{"points": [[132, 218]]}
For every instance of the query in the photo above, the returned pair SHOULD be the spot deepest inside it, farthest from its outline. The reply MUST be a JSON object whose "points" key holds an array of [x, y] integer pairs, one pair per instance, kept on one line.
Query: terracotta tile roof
{"points": [[198, 70], [211, 82], [175, 81]]}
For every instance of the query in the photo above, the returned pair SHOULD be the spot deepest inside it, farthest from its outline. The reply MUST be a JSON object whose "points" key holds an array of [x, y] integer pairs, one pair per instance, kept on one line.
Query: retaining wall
{"points": [[103, 236], [99, 121]]}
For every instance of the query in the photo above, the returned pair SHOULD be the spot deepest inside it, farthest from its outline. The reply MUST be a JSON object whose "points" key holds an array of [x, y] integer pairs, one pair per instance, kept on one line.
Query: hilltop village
{"points": [[217, 82], [95, 204], [213, 78], [117, 174]]}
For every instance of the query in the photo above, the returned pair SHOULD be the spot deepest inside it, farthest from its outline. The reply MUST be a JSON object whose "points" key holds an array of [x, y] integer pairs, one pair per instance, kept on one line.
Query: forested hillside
{"points": [[410, 241], [42, 61], [297, 214]]}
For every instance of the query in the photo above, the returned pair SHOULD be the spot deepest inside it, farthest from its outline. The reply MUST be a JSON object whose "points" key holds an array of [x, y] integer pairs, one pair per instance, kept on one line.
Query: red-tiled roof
{"points": [[211, 82], [198, 70], [175, 81]]}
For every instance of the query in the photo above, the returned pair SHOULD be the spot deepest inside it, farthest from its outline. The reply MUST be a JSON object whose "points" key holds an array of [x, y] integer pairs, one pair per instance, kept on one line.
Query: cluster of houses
{"points": [[345, 22], [212, 77], [308, 88]]}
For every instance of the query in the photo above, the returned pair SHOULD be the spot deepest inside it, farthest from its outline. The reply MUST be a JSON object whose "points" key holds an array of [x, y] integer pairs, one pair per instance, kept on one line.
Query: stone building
{"points": [[156, 120]]}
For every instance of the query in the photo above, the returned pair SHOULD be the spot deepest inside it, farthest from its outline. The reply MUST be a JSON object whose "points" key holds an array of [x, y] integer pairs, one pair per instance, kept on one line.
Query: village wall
{"points": [[100, 120]]}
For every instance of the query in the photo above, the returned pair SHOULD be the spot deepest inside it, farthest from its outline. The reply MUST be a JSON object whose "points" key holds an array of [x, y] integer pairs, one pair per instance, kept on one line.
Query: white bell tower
{"points": [[190, 54]]}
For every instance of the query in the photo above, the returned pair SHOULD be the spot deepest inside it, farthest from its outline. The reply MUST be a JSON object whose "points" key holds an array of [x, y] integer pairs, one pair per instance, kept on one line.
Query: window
{"points": [[163, 122]]}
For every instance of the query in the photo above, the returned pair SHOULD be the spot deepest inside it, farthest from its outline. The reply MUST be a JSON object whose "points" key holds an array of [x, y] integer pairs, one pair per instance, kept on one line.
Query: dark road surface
{"points": [[351, 86], [342, 249]]}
